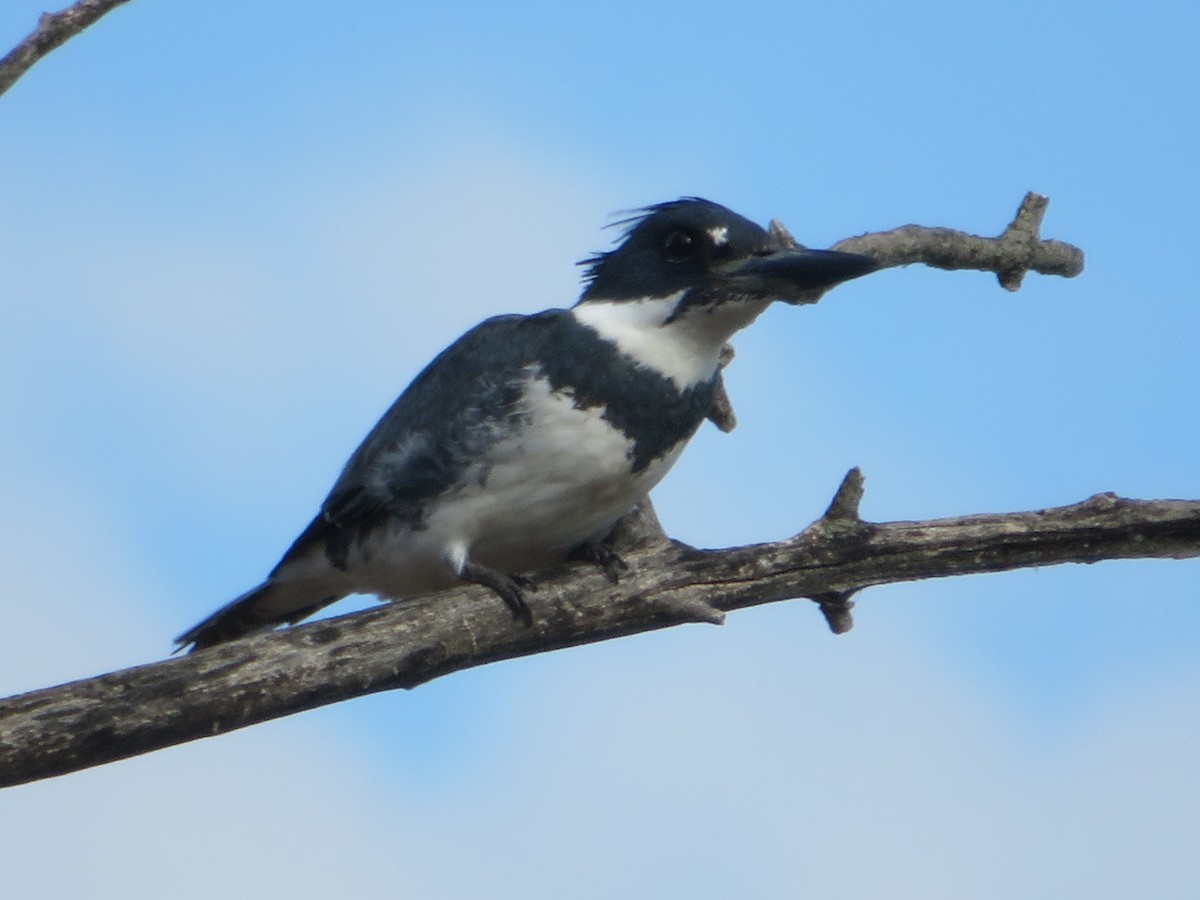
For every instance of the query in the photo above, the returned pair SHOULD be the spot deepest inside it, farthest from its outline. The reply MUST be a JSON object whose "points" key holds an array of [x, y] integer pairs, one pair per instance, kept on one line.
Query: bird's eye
{"points": [[678, 247]]}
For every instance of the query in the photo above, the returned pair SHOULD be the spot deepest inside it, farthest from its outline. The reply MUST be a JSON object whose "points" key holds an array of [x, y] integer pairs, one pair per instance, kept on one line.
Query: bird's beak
{"points": [[795, 274]]}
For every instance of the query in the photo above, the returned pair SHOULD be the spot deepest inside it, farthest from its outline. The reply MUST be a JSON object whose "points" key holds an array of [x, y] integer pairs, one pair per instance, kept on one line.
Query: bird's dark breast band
{"points": [[653, 413]]}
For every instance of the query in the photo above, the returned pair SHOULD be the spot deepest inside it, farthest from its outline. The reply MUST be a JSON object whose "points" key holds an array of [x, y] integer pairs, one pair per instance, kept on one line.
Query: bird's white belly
{"points": [[564, 478]]}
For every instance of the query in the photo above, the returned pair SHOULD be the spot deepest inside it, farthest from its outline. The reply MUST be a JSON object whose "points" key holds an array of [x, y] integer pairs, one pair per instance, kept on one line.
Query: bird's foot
{"points": [[511, 589]]}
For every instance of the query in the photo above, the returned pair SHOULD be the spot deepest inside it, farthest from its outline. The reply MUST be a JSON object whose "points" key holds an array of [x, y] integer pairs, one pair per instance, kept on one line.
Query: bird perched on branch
{"points": [[530, 436]]}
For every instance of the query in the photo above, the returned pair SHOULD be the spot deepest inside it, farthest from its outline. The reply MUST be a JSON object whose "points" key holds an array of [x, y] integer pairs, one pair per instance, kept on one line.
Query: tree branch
{"points": [[1017, 250], [86, 723], [53, 30]]}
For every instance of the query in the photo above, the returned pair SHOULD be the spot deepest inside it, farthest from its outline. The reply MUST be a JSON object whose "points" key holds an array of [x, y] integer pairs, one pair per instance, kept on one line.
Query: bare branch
{"points": [[86, 723], [53, 30], [1017, 250]]}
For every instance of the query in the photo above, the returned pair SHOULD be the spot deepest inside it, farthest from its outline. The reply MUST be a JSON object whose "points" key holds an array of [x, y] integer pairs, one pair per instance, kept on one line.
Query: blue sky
{"points": [[233, 232]]}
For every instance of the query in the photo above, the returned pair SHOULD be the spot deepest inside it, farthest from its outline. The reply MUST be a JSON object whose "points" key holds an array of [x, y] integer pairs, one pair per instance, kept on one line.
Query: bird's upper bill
{"points": [[696, 245]]}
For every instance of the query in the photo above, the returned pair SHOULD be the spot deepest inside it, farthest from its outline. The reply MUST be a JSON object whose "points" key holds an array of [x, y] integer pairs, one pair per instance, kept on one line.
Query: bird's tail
{"points": [[271, 603]]}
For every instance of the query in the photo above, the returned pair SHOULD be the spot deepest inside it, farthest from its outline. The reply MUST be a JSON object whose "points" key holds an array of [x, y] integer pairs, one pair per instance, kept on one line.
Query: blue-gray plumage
{"points": [[530, 436]]}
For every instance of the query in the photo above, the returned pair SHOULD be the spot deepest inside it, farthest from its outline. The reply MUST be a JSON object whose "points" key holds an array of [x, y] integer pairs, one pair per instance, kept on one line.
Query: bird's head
{"points": [[705, 256], [688, 274]]}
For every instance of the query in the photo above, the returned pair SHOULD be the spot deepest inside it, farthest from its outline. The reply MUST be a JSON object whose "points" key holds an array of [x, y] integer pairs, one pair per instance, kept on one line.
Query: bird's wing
{"points": [[442, 424]]}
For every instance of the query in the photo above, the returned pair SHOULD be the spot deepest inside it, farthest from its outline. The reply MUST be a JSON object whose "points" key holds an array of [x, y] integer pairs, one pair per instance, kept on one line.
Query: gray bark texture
{"points": [[98, 720]]}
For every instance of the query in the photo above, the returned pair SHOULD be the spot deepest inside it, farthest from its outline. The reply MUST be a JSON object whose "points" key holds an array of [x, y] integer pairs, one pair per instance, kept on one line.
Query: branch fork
{"points": [[841, 522]]}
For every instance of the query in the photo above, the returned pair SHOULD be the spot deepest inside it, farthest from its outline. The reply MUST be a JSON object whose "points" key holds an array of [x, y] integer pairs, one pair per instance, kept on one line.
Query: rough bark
{"points": [[1010, 255], [86, 723]]}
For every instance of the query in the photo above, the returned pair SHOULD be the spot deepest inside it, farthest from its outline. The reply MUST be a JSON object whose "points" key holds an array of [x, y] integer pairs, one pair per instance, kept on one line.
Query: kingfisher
{"points": [[523, 443]]}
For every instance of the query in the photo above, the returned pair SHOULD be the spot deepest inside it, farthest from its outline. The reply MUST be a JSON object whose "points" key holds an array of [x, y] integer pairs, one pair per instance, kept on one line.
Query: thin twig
{"points": [[1017, 250]]}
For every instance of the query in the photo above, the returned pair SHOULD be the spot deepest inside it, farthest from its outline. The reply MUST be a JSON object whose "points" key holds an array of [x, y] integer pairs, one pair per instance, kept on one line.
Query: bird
{"points": [[522, 444]]}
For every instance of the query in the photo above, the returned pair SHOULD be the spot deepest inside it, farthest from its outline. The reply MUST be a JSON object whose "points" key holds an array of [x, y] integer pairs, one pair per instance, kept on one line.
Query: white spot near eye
{"points": [[719, 234]]}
